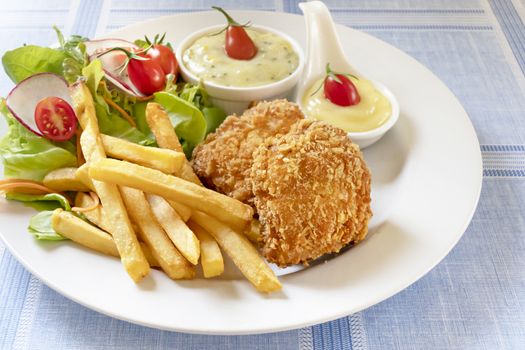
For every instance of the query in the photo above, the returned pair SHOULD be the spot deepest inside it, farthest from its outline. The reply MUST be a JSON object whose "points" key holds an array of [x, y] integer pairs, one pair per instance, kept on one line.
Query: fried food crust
{"points": [[223, 161], [312, 193]]}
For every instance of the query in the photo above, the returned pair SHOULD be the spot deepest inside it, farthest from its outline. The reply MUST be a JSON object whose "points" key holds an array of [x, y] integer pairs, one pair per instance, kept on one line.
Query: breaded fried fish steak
{"points": [[308, 182], [312, 193], [223, 161]]}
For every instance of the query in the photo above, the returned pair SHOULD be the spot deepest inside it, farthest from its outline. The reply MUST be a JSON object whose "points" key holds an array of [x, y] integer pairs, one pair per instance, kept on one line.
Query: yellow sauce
{"points": [[372, 111], [274, 61]]}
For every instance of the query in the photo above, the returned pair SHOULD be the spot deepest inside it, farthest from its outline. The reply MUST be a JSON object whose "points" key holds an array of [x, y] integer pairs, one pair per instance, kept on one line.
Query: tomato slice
{"points": [[55, 119]]}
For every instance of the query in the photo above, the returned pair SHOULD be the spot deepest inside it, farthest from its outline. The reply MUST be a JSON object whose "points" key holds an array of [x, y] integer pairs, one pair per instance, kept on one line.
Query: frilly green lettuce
{"points": [[110, 121], [40, 224], [28, 156]]}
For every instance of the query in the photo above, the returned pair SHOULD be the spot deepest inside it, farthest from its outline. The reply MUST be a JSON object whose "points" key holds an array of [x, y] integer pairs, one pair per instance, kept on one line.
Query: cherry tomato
{"points": [[238, 44], [342, 93], [147, 75], [55, 119], [164, 57]]}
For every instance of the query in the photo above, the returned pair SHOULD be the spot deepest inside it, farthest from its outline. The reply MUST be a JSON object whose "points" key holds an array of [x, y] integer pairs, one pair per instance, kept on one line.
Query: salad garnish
{"points": [[338, 89], [163, 54], [43, 135], [238, 44]]}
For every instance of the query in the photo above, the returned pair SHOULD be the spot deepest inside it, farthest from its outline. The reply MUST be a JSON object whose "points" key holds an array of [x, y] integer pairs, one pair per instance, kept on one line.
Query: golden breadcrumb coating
{"points": [[223, 161], [312, 193]]}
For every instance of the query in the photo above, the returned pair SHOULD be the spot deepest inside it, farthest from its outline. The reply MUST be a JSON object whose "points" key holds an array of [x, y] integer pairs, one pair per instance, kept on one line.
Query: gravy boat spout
{"points": [[322, 47]]}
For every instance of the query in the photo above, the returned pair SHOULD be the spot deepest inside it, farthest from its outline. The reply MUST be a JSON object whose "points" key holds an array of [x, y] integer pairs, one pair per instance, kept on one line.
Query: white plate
{"points": [[426, 184]]}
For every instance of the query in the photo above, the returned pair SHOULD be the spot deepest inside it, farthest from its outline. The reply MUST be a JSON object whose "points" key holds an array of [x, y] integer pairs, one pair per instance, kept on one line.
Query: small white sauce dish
{"points": [[323, 46], [235, 99], [368, 138]]}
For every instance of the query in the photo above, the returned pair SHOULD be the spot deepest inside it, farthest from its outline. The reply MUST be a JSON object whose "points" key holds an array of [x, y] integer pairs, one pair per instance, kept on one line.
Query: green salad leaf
{"points": [[77, 59], [214, 117], [28, 156], [40, 224], [40, 227], [27, 60], [188, 120], [48, 201], [196, 94], [109, 120], [67, 60]]}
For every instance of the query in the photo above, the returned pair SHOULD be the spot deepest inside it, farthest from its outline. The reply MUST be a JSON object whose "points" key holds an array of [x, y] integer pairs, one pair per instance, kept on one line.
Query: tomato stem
{"points": [[331, 73], [129, 56], [156, 40], [231, 21]]}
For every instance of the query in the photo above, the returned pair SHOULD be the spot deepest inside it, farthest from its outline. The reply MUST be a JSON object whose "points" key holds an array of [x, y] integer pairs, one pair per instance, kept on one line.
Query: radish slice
{"points": [[112, 62], [24, 97], [94, 47]]}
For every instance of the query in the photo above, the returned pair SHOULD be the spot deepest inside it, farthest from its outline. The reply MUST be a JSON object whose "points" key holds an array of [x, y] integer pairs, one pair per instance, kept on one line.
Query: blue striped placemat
{"points": [[472, 300]]}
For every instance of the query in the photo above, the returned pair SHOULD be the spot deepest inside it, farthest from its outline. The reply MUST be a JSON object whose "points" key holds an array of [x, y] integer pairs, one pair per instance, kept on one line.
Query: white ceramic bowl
{"points": [[367, 138], [364, 138], [237, 99]]}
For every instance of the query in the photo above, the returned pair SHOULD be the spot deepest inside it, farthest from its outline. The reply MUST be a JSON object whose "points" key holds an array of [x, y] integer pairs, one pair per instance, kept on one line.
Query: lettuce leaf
{"points": [[27, 60], [40, 227], [75, 49], [188, 120], [40, 224], [67, 60], [110, 121], [197, 95], [39, 202], [28, 156], [214, 117]]}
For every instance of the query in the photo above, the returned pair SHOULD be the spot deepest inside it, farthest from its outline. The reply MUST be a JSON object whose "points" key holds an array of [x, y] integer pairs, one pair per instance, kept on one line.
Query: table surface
{"points": [[474, 299]]}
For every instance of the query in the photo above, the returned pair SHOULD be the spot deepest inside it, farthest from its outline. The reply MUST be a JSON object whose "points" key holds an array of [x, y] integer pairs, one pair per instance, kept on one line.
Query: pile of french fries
{"points": [[153, 211]]}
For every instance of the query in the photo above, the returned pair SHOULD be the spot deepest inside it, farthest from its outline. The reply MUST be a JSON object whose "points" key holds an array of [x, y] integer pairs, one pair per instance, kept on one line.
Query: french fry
{"points": [[68, 225], [64, 179], [76, 229], [151, 232], [179, 233], [165, 160], [152, 259], [211, 257], [82, 175], [253, 233], [241, 251], [181, 209], [124, 237], [95, 216], [164, 133], [224, 208], [161, 127]]}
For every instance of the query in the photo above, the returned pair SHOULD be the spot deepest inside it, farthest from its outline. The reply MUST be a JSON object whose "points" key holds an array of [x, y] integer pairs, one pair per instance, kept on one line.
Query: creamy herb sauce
{"points": [[372, 111], [275, 60]]}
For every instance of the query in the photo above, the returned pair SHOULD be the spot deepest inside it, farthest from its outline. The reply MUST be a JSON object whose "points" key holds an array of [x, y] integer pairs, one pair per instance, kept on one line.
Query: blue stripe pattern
{"points": [[503, 173], [513, 27], [332, 335], [86, 20], [472, 300], [502, 148], [439, 27], [14, 280]]}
